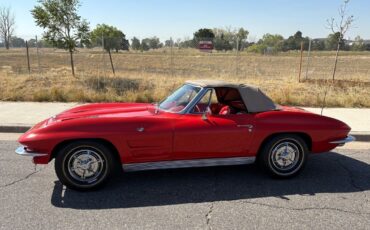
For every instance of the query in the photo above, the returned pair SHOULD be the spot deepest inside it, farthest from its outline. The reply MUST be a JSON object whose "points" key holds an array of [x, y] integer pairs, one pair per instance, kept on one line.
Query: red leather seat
{"points": [[225, 110]]}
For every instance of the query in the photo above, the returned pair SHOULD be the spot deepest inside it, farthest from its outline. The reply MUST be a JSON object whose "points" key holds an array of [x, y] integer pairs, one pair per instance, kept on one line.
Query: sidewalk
{"points": [[20, 116]]}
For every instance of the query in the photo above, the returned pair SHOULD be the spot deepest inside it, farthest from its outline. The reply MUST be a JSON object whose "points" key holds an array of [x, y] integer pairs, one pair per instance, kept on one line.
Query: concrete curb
{"points": [[14, 128], [360, 136]]}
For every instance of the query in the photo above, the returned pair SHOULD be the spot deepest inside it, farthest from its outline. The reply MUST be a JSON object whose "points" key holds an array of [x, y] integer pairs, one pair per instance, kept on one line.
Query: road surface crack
{"points": [[22, 179], [209, 216], [306, 209]]}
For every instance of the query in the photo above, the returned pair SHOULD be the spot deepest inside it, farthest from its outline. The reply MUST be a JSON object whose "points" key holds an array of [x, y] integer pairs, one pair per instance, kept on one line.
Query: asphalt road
{"points": [[333, 192]]}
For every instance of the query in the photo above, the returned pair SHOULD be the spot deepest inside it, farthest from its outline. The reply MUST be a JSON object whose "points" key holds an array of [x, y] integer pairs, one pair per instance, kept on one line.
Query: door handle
{"points": [[249, 127], [245, 126], [140, 129]]}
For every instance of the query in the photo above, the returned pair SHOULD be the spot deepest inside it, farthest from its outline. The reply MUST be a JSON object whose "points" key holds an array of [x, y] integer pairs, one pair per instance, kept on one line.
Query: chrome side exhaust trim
{"points": [[188, 163]]}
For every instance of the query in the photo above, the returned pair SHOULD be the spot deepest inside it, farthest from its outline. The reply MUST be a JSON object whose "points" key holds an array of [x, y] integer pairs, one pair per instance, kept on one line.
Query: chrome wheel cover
{"points": [[285, 156], [85, 165]]}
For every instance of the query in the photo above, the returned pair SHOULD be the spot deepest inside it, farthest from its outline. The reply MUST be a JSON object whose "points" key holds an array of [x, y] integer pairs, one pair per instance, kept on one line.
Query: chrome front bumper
{"points": [[21, 150], [341, 142]]}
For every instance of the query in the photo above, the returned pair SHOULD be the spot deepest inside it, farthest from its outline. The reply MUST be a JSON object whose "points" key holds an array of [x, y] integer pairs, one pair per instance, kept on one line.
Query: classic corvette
{"points": [[203, 123]]}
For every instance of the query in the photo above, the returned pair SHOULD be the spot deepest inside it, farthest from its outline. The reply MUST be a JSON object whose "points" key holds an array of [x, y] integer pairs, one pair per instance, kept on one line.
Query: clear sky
{"points": [[179, 19]]}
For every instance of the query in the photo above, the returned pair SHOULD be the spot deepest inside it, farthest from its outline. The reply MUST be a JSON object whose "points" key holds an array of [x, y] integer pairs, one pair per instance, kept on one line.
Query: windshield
{"points": [[178, 100]]}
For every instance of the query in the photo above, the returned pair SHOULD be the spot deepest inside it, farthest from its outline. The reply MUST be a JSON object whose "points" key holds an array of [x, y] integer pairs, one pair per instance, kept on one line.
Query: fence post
{"points": [[308, 58], [300, 63], [104, 62], [237, 57], [37, 52], [28, 58], [111, 62], [171, 52]]}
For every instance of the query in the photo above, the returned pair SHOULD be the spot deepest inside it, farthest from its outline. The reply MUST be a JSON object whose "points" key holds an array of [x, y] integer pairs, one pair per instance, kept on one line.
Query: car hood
{"points": [[107, 110]]}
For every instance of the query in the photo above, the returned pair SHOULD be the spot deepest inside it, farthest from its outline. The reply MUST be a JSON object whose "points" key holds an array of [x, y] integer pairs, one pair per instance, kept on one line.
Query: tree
{"points": [[273, 41], [32, 42], [187, 43], [221, 43], [318, 44], [269, 42], [64, 27], [17, 42], [154, 43], [340, 26], [358, 44], [113, 37], [169, 43], [150, 43], [257, 48], [331, 42], [203, 35], [7, 24], [135, 43], [228, 38], [177, 43], [294, 42], [367, 46], [242, 36], [44, 44], [145, 44]]}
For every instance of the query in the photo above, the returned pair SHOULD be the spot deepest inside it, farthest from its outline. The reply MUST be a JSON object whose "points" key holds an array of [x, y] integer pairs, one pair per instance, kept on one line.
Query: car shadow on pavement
{"points": [[325, 173]]}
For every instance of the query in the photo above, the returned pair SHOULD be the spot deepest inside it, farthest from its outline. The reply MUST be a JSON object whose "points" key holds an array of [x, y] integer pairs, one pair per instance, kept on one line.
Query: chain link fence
{"points": [[203, 58]]}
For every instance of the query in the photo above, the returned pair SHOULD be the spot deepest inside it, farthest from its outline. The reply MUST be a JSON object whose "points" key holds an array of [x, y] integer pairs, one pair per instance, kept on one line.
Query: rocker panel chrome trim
{"points": [[188, 163]]}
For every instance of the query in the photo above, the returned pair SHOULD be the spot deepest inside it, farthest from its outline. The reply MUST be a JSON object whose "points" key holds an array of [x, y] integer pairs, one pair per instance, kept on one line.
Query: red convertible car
{"points": [[203, 123]]}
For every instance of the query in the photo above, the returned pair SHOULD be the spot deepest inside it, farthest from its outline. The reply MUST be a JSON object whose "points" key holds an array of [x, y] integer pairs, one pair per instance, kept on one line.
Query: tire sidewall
{"points": [[267, 152], [61, 165]]}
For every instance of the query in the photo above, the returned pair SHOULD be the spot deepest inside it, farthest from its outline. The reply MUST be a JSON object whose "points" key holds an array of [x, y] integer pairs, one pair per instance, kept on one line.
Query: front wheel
{"points": [[284, 155], [84, 165]]}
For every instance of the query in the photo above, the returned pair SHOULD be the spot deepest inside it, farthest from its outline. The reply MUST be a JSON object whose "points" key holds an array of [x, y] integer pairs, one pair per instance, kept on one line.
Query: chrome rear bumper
{"points": [[21, 150], [341, 142]]}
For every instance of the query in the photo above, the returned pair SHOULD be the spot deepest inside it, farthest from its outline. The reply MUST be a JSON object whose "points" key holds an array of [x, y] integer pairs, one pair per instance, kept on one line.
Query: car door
{"points": [[217, 136], [151, 139], [214, 136]]}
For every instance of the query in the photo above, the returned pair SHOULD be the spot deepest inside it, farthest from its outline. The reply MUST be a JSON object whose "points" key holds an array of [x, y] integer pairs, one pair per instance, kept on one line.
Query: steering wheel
{"points": [[196, 109]]}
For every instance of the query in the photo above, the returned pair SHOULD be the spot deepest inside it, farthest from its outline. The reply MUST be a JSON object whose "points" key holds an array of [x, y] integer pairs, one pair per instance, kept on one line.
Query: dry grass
{"points": [[150, 76]]}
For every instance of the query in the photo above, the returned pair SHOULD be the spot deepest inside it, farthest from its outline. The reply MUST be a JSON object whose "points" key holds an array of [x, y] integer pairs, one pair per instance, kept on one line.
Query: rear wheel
{"points": [[284, 155], [84, 165]]}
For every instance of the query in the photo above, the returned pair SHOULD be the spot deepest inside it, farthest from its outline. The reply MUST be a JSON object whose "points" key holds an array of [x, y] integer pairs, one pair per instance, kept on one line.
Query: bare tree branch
{"points": [[345, 23], [7, 24]]}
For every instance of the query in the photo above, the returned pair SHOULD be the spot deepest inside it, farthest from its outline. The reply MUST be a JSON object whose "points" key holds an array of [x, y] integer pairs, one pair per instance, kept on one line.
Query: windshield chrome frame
{"points": [[191, 104], [205, 89], [195, 100]]}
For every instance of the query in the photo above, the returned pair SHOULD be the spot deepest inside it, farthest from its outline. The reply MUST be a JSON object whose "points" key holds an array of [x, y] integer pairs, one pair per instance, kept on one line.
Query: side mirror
{"points": [[206, 113]]}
